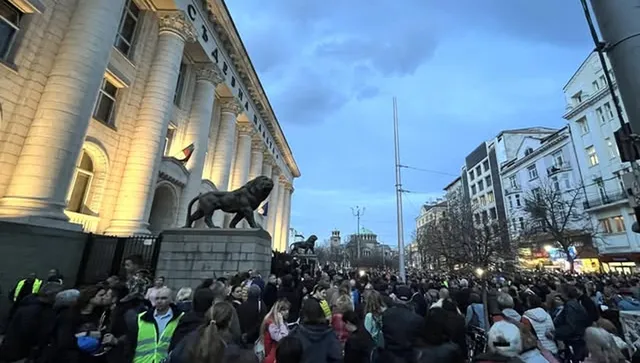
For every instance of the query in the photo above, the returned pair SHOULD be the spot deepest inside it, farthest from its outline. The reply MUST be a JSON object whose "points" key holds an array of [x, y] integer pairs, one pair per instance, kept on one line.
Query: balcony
{"points": [[608, 199], [89, 223], [558, 168], [512, 189]]}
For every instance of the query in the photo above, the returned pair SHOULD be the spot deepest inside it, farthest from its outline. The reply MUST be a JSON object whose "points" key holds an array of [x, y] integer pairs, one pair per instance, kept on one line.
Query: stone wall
{"points": [[189, 255], [27, 248]]}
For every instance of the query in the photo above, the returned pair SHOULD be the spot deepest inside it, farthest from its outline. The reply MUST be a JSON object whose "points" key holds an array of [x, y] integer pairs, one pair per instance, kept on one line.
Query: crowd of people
{"points": [[321, 316]]}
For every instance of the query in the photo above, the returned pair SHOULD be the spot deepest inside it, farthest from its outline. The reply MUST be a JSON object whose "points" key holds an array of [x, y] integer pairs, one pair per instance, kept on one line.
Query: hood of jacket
{"points": [[314, 333], [510, 313], [538, 315]]}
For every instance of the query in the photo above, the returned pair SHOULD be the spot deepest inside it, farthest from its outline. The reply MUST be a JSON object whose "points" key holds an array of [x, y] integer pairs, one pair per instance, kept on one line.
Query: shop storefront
{"points": [[551, 258], [626, 263]]}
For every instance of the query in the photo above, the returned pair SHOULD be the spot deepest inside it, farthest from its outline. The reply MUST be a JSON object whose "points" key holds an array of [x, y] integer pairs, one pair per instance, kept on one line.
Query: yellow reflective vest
{"points": [[150, 349], [34, 290]]}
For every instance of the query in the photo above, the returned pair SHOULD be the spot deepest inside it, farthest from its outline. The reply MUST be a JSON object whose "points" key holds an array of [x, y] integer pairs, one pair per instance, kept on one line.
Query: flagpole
{"points": [[403, 274]]}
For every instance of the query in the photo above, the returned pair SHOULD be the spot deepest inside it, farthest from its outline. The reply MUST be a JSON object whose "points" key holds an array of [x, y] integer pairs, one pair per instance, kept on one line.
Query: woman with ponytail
{"points": [[212, 341]]}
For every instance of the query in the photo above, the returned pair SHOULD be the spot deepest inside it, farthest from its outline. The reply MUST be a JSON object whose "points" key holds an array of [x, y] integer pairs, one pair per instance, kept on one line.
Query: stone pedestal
{"points": [[189, 255]]}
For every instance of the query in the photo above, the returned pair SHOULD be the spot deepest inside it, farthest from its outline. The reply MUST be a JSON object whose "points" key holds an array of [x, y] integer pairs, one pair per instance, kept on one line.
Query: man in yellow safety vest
{"points": [[155, 329], [24, 287]]}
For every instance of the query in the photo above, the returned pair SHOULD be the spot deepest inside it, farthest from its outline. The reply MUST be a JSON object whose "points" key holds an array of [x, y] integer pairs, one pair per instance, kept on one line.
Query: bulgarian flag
{"points": [[186, 153]]}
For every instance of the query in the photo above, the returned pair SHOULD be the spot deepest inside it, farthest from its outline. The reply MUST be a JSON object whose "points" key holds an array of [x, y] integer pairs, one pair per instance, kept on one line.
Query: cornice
{"points": [[601, 94], [223, 24]]}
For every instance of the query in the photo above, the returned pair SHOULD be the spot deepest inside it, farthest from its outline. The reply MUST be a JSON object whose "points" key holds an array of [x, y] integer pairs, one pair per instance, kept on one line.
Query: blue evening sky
{"points": [[462, 70]]}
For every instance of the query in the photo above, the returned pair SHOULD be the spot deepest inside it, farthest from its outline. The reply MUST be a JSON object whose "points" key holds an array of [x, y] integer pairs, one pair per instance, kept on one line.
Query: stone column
{"points": [[141, 172], [267, 169], [257, 157], [225, 143], [243, 157], [208, 76], [213, 135], [277, 221], [273, 204], [47, 161], [286, 215]]}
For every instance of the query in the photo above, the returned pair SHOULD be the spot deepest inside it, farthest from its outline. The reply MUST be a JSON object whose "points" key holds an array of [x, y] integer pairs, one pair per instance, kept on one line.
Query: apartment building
{"points": [[592, 120]]}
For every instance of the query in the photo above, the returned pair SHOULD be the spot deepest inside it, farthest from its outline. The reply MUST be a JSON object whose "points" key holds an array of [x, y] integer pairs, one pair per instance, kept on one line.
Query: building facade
{"points": [[592, 120], [546, 165], [431, 213], [115, 114]]}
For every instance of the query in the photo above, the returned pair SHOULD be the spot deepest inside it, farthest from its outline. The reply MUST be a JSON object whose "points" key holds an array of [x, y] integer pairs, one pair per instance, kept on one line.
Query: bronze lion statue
{"points": [[308, 245], [242, 202]]}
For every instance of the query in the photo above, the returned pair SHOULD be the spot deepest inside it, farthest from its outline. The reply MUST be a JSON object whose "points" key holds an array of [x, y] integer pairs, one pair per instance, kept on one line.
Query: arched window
{"points": [[81, 184]]}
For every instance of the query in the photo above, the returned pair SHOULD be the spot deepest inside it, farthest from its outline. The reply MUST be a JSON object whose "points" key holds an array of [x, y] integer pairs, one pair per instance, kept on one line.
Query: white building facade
{"points": [[593, 120], [99, 99]]}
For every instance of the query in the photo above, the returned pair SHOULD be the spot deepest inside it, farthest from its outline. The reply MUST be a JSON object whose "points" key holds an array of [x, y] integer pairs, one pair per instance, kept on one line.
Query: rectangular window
{"points": [[558, 159], [603, 81], [608, 111], [10, 18], [577, 98], [600, 114], [106, 103], [168, 140], [485, 216], [487, 181], [483, 200], [533, 172], [480, 185], [477, 217], [493, 213], [556, 183], [127, 28], [618, 223], [613, 150], [510, 201], [518, 200], [471, 175], [513, 181], [473, 189], [521, 220], [583, 125], [478, 171], [592, 156], [485, 166], [177, 97], [605, 225], [490, 197], [596, 86], [567, 182]]}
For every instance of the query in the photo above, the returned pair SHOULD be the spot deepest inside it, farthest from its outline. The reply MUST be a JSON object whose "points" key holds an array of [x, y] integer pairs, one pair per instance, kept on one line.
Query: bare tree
{"points": [[556, 217], [466, 236]]}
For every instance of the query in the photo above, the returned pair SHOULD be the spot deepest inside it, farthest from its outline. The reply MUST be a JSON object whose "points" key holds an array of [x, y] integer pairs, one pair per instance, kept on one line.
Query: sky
{"points": [[461, 70]]}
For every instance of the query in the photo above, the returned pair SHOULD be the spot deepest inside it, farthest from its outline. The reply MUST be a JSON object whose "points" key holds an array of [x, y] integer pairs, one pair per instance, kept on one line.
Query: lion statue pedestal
{"points": [[189, 255]]}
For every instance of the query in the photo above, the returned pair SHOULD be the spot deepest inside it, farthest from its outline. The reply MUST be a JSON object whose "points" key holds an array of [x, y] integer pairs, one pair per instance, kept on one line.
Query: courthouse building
{"points": [[114, 114]]}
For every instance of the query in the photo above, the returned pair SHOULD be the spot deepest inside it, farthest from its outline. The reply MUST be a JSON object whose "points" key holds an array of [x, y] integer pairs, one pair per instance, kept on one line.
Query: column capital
{"points": [[257, 145], [275, 171], [245, 129], [176, 22], [231, 105], [267, 157], [209, 72]]}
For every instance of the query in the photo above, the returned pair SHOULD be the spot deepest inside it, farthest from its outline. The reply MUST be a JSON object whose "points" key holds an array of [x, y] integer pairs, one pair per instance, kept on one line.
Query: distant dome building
{"points": [[369, 244]]}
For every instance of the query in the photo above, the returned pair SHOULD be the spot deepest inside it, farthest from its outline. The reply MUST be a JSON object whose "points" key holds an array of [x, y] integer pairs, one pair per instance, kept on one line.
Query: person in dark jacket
{"points": [[212, 340], [288, 291], [418, 301], [270, 292], [400, 328], [571, 323], [190, 321], [250, 314], [31, 325], [289, 350], [437, 343], [587, 303], [319, 342], [359, 345]]}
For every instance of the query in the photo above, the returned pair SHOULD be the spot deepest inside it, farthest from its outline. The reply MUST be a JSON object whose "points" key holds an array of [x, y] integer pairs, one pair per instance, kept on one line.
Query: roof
{"points": [[260, 94], [365, 231], [528, 130], [580, 68], [453, 182]]}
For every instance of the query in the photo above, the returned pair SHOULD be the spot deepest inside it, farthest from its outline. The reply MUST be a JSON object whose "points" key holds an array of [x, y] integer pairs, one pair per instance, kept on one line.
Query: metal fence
{"points": [[104, 256]]}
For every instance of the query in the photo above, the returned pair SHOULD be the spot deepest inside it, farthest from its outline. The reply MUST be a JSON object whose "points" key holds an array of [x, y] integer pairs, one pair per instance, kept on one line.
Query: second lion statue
{"points": [[242, 201]]}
